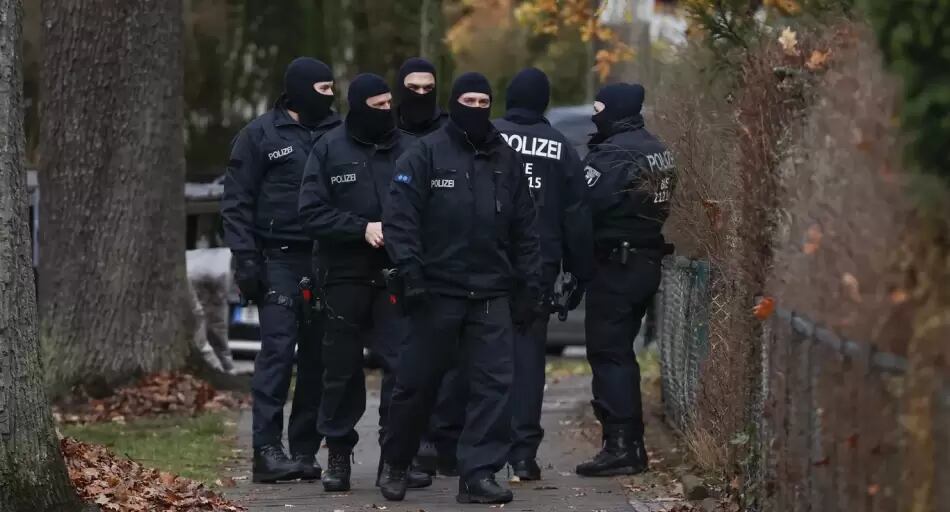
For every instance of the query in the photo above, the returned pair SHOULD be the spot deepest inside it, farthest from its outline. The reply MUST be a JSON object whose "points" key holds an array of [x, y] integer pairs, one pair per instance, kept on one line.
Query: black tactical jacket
{"points": [[630, 177], [461, 218], [345, 186], [554, 174], [262, 183]]}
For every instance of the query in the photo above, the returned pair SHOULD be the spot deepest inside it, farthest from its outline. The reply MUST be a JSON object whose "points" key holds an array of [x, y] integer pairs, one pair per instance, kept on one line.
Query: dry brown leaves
{"points": [[120, 484], [157, 394]]}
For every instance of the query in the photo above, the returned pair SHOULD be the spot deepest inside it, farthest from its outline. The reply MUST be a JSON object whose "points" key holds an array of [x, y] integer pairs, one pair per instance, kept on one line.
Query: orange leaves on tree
{"points": [[787, 7], [764, 308], [818, 60], [548, 17]]}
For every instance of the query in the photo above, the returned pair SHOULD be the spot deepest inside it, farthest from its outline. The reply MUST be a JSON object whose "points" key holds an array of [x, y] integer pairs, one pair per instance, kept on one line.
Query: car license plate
{"points": [[246, 315]]}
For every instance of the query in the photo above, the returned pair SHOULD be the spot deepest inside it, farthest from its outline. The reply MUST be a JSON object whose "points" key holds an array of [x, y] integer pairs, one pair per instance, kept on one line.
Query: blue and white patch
{"points": [[402, 178], [591, 175]]}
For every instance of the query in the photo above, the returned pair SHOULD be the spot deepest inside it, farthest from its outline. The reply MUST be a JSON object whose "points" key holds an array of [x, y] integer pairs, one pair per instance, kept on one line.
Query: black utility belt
{"points": [[622, 253], [288, 245]]}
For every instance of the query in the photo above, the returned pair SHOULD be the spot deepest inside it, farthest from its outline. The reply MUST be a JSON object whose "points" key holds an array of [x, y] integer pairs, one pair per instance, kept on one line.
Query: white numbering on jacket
{"points": [[662, 194]]}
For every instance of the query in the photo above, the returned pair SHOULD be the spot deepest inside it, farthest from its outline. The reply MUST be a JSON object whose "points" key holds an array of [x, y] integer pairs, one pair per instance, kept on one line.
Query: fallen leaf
{"points": [[764, 308], [899, 296], [873, 489], [789, 41], [813, 238], [851, 287], [818, 60]]}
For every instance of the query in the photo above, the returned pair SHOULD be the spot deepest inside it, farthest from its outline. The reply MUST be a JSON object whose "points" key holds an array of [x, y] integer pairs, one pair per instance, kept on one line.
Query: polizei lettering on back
{"points": [[274, 155], [442, 183], [661, 161], [533, 146], [342, 178]]}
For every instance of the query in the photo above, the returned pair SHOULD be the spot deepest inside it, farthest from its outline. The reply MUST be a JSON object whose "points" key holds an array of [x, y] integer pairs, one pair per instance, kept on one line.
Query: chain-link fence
{"points": [[834, 425], [682, 312]]}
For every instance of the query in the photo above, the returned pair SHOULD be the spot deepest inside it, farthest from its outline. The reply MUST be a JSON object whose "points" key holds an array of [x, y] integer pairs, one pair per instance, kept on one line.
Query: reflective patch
{"points": [[591, 175], [343, 178], [403, 178], [280, 153], [441, 183]]}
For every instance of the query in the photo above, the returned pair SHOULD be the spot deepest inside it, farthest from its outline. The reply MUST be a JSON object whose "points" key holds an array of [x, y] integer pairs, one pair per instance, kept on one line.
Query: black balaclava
{"points": [[415, 110], [474, 121], [364, 122], [622, 104], [527, 96], [302, 98]]}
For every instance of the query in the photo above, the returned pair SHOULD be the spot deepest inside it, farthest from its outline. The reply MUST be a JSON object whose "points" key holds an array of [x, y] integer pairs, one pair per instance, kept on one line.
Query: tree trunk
{"points": [[32, 472], [112, 275]]}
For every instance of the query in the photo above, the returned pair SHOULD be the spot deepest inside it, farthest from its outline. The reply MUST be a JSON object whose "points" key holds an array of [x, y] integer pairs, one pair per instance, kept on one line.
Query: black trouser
{"points": [[617, 298], [448, 417], [528, 389], [358, 315], [478, 333], [283, 327]]}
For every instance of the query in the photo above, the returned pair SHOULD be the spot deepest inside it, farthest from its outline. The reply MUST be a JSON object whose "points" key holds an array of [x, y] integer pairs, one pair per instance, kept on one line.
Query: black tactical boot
{"points": [[337, 476], [416, 479], [272, 465], [448, 464], [526, 469], [622, 454], [393, 482], [426, 459], [482, 489], [310, 469]]}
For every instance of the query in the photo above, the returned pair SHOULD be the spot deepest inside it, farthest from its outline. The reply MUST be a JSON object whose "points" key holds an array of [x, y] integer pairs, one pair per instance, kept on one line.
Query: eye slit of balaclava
{"points": [[474, 121], [302, 98]]}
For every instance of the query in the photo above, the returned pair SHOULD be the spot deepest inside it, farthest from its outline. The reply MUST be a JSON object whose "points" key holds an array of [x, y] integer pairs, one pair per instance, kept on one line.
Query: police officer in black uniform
{"points": [[418, 114], [341, 203], [630, 177], [460, 226], [553, 172], [274, 266]]}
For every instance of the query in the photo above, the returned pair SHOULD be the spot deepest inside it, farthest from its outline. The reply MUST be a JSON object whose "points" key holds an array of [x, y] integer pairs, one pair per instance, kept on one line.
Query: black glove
{"points": [[576, 296], [526, 310], [416, 293], [249, 275]]}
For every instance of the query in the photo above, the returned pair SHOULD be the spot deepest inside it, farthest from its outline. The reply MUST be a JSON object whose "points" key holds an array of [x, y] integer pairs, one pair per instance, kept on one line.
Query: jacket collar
{"points": [[492, 142], [282, 117], [386, 144], [423, 128], [627, 124], [525, 116]]}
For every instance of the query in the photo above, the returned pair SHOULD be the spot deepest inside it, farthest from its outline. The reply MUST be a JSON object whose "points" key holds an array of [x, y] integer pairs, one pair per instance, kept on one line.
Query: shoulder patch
{"points": [[402, 178], [591, 175]]}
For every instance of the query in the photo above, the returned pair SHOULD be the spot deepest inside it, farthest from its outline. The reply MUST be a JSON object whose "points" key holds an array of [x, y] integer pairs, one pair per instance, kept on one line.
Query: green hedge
{"points": [[915, 38]]}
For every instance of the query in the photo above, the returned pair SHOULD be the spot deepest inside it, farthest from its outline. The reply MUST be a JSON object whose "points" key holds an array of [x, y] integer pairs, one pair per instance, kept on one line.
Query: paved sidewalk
{"points": [[565, 408]]}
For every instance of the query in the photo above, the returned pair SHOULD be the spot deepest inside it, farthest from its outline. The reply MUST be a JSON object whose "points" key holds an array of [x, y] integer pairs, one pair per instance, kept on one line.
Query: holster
{"points": [[310, 303], [395, 285]]}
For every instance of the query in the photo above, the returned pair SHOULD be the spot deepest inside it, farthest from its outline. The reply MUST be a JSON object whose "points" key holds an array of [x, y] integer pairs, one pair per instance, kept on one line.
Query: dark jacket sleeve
{"points": [[242, 183], [320, 218], [402, 216], [577, 225], [612, 170], [525, 239]]}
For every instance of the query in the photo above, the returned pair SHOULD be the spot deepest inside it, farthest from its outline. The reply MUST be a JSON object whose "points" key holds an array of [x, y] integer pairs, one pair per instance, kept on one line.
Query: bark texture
{"points": [[32, 472], [112, 275]]}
